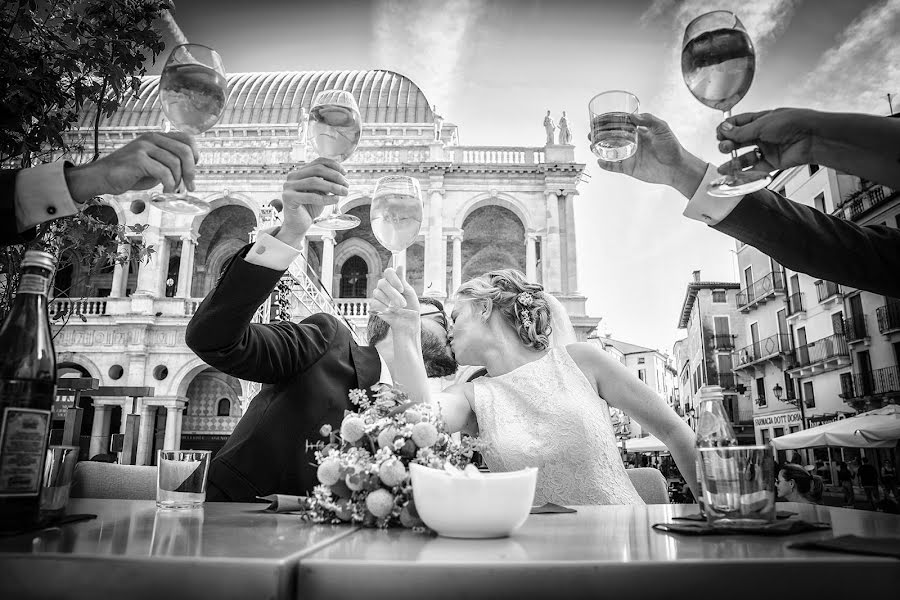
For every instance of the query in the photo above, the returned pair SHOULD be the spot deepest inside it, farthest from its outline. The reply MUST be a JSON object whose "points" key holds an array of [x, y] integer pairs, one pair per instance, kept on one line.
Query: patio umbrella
{"points": [[879, 428], [645, 444]]}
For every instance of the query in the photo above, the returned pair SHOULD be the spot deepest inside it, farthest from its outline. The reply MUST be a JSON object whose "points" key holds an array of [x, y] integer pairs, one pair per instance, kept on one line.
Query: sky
{"points": [[494, 68]]}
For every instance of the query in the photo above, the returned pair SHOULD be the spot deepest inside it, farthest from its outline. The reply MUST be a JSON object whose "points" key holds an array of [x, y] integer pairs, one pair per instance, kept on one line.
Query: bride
{"points": [[545, 401]]}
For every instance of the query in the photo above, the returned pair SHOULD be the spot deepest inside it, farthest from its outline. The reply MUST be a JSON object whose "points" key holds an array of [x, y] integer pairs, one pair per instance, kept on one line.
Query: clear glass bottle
{"points": [[717, 475], [27, 391]]}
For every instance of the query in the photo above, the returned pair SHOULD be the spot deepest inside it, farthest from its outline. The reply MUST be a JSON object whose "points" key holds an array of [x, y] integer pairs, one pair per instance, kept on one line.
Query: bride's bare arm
{"points": [[621, 389], [453, 403]]}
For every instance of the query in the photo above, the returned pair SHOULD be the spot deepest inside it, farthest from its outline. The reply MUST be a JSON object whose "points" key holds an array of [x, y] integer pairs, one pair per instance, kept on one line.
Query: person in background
{"points": [[796, 484], [845, 480], [889, 479], [29, 197], [868, 479]]}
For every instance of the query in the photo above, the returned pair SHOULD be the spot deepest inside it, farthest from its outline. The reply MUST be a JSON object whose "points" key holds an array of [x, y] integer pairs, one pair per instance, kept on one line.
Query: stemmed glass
{"points": [[718, 63], [396, 213], [192, 91], [334, 131]]}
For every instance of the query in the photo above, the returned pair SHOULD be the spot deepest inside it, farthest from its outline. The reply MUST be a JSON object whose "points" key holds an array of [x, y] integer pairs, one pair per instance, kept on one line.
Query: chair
{"points": [[650, 485], [106, 480]]}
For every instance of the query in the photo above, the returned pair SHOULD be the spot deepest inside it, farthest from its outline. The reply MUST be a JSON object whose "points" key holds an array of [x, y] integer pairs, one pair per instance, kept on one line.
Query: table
{"points": [[236, 551], [225, 550]]}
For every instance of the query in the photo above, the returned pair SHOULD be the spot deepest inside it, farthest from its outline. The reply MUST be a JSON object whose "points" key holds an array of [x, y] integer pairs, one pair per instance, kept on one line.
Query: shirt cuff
{"points": [[42, 195], [710, 209], [271, 253]]}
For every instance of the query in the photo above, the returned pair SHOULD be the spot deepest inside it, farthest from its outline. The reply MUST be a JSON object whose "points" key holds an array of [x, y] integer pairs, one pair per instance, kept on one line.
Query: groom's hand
{"points": [[396, 302], [306, 192], [660, 158]]}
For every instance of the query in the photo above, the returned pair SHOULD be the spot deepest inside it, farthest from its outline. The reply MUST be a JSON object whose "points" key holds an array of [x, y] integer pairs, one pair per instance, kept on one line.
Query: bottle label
{"points": [[32, 283], [23, 447]]}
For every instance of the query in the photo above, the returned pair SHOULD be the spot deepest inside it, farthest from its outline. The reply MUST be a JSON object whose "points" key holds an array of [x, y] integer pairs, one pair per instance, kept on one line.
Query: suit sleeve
{"points": [[806, 240], [221, 332]]}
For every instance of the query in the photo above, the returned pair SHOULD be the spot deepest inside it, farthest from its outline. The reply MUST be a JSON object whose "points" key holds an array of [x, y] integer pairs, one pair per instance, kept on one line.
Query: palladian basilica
{"points": [[486, 207]]}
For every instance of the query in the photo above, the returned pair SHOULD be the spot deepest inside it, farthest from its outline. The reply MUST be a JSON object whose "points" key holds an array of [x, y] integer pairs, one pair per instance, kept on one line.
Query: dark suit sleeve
{"points": [[9, 233], [221, 332], [806, 240]]}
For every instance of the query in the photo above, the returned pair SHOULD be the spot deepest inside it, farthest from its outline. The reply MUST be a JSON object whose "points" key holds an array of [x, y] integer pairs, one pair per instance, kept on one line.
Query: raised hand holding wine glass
{"points": [[396, 213], [718, 63], [334, 130], [192, 92]]}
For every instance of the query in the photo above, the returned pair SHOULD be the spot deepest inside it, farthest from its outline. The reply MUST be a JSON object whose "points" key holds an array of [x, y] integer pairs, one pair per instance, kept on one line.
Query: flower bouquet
{"points": [[363, 471]]}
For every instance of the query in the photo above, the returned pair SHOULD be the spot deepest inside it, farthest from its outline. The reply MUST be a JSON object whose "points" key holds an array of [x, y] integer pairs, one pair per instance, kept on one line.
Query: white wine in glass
{"points": [[718, 64], [334, 131], [396, 213], [192, 91]]}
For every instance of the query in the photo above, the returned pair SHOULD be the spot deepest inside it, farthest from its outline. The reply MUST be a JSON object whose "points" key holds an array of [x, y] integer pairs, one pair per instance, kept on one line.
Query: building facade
{"points": [[484, 207]]}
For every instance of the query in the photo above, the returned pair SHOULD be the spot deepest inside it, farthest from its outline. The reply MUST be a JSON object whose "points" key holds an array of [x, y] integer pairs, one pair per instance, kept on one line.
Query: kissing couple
{"points": [[542, 403]]}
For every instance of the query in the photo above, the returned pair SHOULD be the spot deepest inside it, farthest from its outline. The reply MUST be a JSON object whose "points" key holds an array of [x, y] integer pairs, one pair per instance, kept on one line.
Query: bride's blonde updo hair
{"points": [[522, 304]]}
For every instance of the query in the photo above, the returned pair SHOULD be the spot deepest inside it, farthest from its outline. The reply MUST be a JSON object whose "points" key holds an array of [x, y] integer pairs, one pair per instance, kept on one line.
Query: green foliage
{"points": [[59, 58]]}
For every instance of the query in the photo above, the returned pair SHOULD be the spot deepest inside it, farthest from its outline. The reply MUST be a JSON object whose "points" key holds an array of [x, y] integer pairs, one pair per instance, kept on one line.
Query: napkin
{"points": [[50, 524], [781, 514], [854, 544], [550, 508], [282, 503], [785, 527]]}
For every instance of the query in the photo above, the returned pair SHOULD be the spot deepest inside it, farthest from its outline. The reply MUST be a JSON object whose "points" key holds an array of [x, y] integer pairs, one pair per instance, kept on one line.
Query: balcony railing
{"points": [[86, 307], [870, 383], [495, 155], [723, 342], [353, 307], [795, 304], [822, 350], [827, 289], [888, 316], [855, 328], [760, 291], [774, 345], [863, 200]]}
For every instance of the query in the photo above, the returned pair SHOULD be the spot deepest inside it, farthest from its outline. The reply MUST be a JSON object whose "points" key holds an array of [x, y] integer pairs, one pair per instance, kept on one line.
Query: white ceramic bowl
{"points": [[491, 506]]}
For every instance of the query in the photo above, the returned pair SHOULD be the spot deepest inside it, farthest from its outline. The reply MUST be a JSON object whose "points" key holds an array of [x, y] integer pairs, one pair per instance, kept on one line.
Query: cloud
{"points": [[861, 69], [425, 40]]}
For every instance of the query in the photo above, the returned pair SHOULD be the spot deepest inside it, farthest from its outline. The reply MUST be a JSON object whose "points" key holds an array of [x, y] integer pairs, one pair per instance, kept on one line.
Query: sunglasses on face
{"points": [[436, 315]]}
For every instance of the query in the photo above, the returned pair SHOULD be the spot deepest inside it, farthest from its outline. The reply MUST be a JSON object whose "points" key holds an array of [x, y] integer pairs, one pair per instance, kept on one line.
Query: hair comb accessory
{"points": [[525, 299], [525, 317]]}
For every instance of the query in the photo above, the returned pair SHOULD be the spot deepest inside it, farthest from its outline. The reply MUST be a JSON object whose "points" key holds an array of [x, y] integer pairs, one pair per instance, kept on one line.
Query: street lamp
{"points": [[778, 391]]}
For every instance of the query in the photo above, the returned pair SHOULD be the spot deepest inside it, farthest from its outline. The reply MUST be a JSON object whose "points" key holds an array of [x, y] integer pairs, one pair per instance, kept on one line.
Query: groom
{"points": [[308, 367]]}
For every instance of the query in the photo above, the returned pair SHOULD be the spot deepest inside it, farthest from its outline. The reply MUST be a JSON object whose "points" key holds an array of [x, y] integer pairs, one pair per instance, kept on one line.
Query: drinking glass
{"points": [[396, 213], [59, 470], [738, 485], [613, 134], [181, 478], [334, 130], [192, 91], [718, 63]]}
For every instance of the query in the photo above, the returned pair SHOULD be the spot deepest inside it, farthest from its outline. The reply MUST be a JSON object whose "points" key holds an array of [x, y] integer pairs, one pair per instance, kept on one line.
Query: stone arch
{"points": [[110, 201], [510, 203], [355, 202], [494, 239], [357, 246], [232, 199], [82, 361], [183, 377], [222, 232]]}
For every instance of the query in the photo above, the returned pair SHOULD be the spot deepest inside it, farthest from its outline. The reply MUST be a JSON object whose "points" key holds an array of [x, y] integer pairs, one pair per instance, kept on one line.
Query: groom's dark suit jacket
{"points": [[307, 369], [806, 240]]}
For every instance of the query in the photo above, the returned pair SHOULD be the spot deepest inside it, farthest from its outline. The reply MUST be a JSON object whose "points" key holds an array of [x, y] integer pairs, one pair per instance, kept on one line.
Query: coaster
{"points": [[50, 524], [781, 514], [551, 508], [786, 527]]}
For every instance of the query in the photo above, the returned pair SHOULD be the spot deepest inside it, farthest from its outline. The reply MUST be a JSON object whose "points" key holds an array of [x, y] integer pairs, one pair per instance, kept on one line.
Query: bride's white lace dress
{"points": [[546, 414]]}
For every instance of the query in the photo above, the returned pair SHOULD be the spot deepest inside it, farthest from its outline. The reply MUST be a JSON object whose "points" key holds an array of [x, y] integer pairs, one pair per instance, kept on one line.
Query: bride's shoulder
{"points": [[584, 351]]}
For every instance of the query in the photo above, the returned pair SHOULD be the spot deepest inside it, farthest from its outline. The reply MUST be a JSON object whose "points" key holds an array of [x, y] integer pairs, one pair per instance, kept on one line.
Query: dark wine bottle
{"points": [[27, 391]]}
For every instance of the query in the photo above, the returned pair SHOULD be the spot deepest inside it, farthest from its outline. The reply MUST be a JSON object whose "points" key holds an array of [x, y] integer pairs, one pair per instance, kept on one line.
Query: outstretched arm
{"points": [[621, 389]]}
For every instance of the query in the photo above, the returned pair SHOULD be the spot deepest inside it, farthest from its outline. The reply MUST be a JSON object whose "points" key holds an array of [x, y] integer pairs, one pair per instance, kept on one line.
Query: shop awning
{"points": [[879, 428], [645, 444]]}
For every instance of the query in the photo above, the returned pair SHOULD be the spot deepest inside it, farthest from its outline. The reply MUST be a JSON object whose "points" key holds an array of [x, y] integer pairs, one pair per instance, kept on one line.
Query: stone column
{"points": [[164, 252], [145, 437], [186, 266], [120, 273], [550, 251], [531, 256], [457, 260], [100, 430], [149, 277], [571, 286], [435, 281], [174, 412], [328, 260], [444, 239]]}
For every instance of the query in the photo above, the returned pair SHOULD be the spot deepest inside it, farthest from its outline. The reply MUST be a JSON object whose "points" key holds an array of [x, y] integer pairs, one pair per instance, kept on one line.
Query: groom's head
{"points": [[439, 361]]}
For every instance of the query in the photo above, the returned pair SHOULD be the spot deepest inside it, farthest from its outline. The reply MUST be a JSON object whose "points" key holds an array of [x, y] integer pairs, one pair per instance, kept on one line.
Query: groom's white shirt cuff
{"points": [[271, 253], [709, 209]]}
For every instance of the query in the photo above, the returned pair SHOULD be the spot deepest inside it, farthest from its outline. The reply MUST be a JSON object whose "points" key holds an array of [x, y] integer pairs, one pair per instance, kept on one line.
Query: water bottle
{"points": [[720, 481]]}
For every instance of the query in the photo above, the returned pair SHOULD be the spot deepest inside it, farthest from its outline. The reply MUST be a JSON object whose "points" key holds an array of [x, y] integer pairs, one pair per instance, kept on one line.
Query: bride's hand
{"points": [[396, 302]]}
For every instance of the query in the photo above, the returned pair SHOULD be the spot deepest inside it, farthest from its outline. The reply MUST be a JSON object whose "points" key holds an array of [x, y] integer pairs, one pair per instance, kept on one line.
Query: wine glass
{"points": [[334, 130], [396, 213], [192, 91], [718, 63]]}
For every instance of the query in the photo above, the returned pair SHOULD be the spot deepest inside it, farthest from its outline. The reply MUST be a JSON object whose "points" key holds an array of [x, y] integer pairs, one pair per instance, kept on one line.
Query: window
{"points": [[766, 436], [642, 375], [223, 409], [640, 361], [761, 391], [813, 169], [809, 396], [789, 393], [700, 381], [778, 431], [354, 278], [820, 202], [719, 296]]}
